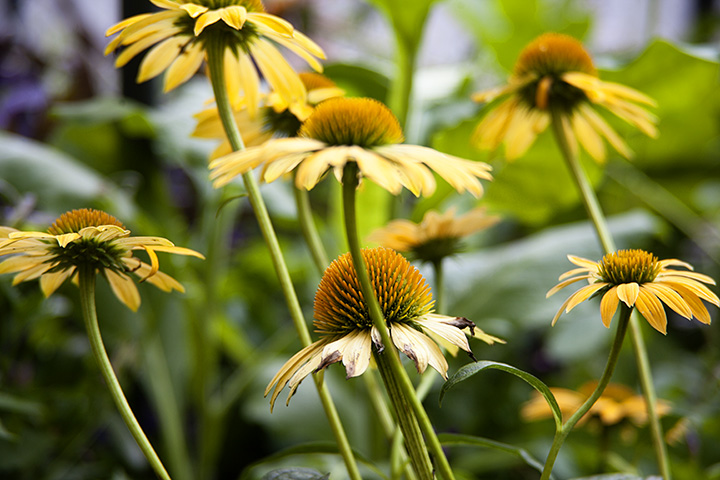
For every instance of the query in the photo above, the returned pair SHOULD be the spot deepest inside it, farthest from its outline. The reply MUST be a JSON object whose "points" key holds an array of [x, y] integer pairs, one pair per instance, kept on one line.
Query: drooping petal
{"points": [[608, 306], [670, 297], [184, 66], [650, 307], [50, 282], [124, 288], [628, 293]]}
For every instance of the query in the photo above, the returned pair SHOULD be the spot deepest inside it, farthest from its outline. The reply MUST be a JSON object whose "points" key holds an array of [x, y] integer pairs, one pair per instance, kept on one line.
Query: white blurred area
{"points": [[54, 31]]}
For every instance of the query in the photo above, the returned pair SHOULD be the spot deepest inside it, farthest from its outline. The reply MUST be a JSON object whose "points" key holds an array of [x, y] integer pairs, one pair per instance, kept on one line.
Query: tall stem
{"points": [[309, 231], [350, 182], [562, 434], [598, 220], [419, 458], [86, 277], [215, 53], [439, 286]]}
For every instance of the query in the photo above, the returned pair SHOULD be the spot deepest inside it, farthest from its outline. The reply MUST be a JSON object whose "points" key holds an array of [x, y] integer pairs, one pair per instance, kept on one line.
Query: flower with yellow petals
{"points": [[555, 73], [640, 280], [348, 334], [617, 403], [247, 34], [276, 118], [359, 130], [87, 237], [436, 237]]}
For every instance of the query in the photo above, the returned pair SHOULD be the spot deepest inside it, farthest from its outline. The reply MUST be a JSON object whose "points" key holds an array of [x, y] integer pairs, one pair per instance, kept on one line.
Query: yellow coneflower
{"points": [[617, 403], [555, 73], [437, 236], [359, 130], [247, 33], [87, 237], [348, 334], [639, 279], [276, 118]]}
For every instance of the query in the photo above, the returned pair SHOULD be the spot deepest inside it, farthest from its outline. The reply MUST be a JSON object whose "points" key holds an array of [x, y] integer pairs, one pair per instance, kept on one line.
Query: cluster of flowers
{"points": [[305, 127]]}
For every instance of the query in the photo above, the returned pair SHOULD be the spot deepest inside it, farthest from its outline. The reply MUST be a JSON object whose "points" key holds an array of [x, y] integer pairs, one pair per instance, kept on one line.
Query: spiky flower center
{"points": [[554, 54], [628, 266], [545, 60], [353, 121], [98, 253], [250, 5], [313, 81], [75, 220], [401, 290]]}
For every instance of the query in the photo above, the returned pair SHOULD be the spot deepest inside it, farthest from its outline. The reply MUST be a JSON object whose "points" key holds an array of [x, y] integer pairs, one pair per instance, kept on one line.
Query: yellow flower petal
{"points": [[608, 306], [184, 66], [160, 57], [650, 307], [628, 293], [124, 289]]}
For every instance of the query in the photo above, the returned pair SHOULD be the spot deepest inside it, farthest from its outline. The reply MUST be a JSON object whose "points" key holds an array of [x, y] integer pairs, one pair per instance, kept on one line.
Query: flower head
{"points": [[639, 279], [359, 130], [276, 118], [617, 403], [555, 73], [436, 237], [343, 320], [247, 34], [82, 238]]}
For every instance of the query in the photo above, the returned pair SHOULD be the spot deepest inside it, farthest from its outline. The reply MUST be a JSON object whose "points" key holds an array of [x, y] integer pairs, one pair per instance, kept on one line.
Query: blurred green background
{"points": [[78, 133]]}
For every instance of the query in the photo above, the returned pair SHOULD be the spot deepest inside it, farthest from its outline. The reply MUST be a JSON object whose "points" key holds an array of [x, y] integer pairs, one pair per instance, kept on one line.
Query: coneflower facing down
{"points": [[348, 334]]}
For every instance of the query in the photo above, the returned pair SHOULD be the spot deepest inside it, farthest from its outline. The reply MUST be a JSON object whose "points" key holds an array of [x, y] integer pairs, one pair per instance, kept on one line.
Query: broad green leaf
{"points": [[60, 182], [617, 476], [471, 369], [297, 473], [308, 449], [687, 110], [504, 27], [531, 189], [407, 17], [455, 439], [11, 403], [358, 81]]}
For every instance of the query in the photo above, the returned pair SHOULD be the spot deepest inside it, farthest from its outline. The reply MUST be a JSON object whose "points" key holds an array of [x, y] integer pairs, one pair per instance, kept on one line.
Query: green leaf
{"points": [[311, 448], [524, 455], [471, 369], [407, 17], [531, 189], [504, 27], [687, 111], [295, 474], [617, 476], [358, 81], [59, 181]]}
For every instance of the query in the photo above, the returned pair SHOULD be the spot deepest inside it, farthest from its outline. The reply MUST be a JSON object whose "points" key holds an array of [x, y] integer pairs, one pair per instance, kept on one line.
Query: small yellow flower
{"points": [[82, 237], [348, 334], [639, 279], [617, 403], [276, 118], [555, 73], [436, 237], [359, 130], [249, 35]]}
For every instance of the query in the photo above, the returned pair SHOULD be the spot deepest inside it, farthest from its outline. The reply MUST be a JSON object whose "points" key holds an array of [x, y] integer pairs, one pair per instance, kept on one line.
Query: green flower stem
{"points": [[317, 250], [439, 284], [86, 277], [414, 442], [215, 53], [562, 433], [309, 231], [350, 182], [641, 357]]}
